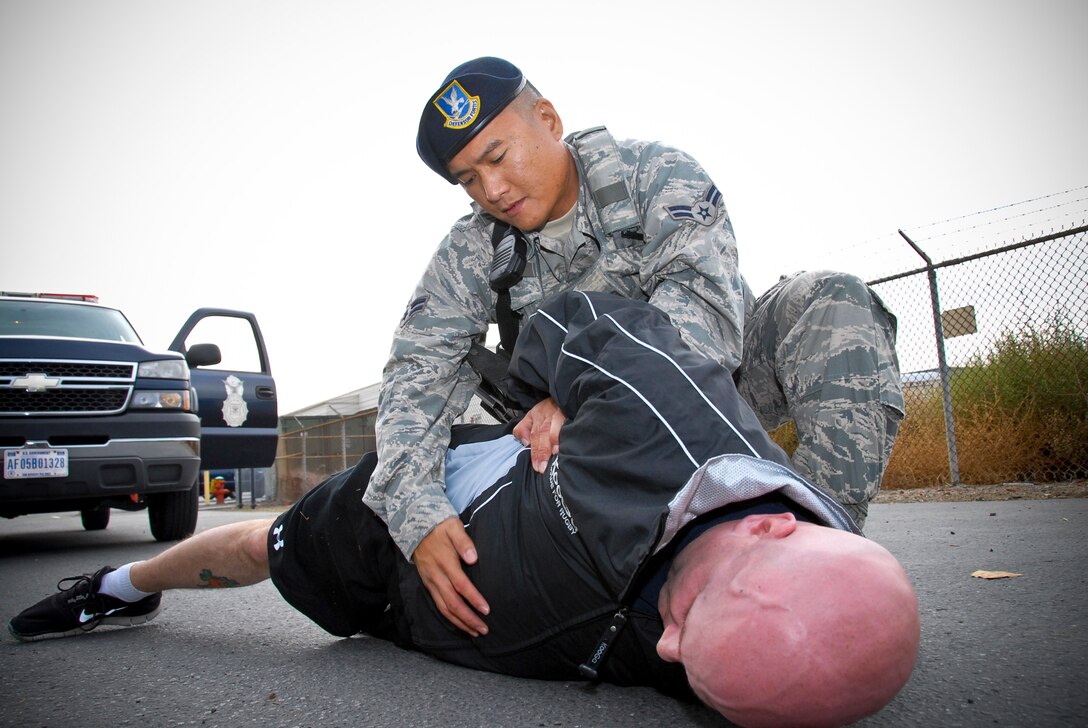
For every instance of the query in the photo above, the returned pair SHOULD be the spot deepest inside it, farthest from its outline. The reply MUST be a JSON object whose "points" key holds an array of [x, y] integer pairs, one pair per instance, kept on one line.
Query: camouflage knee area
{"points": [[818, 336], [843, 447], [837, 330]]}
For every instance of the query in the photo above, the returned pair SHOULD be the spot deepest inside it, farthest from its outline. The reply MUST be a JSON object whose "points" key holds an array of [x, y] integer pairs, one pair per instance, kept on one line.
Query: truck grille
{"points": [[74, 369], [84, 387], [76, 399]]}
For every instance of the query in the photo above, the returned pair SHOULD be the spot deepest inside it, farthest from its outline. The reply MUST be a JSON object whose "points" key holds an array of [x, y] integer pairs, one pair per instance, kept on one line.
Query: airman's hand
{"points": [[539, 429], [438, 559]]}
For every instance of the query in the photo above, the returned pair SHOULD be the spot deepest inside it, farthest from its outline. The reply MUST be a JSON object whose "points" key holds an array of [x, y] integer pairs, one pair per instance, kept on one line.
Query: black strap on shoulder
{"points": [[501, 395], [509, 322]]}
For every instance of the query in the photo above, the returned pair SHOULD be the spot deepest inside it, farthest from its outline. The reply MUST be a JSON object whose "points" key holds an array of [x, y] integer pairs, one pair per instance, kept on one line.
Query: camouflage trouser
{"points": [[819, 347]]}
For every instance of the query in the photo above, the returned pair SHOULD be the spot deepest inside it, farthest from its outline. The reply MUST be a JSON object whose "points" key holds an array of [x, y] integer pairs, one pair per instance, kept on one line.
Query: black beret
{"points": [[471, 96]]}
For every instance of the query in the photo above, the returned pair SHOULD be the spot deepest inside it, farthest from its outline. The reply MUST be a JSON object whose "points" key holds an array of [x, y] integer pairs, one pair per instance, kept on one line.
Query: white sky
{"points": [[261, 156]]}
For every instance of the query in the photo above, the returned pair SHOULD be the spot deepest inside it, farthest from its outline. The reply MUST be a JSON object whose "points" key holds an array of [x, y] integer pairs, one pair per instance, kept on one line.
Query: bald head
{"points": [[784, 623]]}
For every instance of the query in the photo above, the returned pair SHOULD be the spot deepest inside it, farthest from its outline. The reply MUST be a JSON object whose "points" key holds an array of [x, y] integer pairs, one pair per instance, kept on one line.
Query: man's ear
{"points": [[546, 113], [769, 525]]}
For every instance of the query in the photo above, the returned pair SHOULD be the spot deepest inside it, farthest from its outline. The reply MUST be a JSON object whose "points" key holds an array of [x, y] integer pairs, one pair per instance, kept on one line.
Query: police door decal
{"points": [[235, 410]]}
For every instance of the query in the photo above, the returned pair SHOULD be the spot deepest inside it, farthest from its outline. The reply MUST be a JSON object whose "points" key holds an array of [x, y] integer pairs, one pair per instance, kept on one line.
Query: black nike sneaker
{"points": [[79, 608]]}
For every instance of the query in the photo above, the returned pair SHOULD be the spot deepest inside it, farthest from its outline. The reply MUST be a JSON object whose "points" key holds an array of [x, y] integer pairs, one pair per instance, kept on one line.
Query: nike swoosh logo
{"points": [[84, 617]]}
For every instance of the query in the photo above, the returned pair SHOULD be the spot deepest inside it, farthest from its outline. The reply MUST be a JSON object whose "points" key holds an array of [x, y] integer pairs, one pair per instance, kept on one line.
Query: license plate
{"points": [[35, 464]]}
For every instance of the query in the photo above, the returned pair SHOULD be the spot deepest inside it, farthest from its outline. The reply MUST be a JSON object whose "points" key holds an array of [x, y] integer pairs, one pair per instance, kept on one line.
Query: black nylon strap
{"points": [[509, 322], [502, 396]]}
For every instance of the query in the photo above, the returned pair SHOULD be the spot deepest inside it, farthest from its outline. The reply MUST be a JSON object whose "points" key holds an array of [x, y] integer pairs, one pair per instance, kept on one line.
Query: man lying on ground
{"points": [[667, 544]]}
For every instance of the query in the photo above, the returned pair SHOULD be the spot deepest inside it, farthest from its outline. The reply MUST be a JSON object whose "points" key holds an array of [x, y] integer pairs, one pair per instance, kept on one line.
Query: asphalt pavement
{"points": [[1001, 652]]}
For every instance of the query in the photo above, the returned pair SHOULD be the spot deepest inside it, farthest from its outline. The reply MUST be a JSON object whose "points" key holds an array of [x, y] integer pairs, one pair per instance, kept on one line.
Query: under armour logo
{"points": [[279, 541]]}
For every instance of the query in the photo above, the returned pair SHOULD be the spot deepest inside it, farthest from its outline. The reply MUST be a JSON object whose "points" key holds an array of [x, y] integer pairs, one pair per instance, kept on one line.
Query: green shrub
{"points": [[1020, 412], [1038, 379]]}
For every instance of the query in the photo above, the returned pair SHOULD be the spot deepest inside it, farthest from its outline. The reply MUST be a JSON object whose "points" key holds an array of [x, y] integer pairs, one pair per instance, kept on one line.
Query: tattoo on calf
{"points": [[216, 582]]}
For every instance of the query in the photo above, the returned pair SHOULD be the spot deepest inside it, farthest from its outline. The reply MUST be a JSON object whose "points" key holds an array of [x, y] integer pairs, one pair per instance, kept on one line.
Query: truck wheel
{"points": [[172, 515], [95, 519]]}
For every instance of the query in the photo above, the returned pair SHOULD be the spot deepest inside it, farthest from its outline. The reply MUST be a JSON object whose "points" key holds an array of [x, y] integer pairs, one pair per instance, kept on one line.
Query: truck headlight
{"points": [[164, 369], [158, 399]]}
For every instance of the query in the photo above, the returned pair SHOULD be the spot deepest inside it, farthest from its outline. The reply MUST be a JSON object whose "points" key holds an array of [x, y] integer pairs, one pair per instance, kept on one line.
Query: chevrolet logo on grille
{"points": [[35, 382]]}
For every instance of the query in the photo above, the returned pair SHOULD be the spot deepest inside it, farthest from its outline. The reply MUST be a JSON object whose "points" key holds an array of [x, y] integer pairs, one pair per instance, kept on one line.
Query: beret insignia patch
{"points": [[457, 106]]}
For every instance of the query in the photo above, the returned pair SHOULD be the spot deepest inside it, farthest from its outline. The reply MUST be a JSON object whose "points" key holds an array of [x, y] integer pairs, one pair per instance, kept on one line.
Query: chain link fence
{"points": [[324, 440], [992, 350]]}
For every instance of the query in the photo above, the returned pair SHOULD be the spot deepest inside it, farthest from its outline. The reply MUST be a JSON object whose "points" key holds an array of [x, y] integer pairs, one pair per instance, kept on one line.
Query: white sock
{"points": [[118, 585]]}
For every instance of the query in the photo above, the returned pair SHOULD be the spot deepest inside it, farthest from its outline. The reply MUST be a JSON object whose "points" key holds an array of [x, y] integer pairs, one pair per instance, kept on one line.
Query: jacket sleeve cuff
{"points": [[419, 519]]}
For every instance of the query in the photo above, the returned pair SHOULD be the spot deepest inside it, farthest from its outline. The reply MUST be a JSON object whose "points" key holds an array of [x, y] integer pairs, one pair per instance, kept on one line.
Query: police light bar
{"points": [[85, 297]]}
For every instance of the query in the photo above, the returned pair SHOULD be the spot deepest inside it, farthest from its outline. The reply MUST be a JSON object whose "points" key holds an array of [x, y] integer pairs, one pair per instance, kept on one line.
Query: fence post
{"points": [[305, 465], [946, 374], [343, 444]]}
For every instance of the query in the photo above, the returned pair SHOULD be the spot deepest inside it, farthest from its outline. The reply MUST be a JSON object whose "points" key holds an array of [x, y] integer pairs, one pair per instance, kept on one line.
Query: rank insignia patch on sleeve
{"points": [[413, 308], [704, 212]]}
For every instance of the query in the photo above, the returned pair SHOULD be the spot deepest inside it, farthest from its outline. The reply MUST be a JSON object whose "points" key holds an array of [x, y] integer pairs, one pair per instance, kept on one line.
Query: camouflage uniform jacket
{"points": [[686, 265]]}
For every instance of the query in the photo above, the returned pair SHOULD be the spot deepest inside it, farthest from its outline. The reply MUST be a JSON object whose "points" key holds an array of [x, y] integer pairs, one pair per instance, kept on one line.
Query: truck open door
{"points": [[235, 391]]}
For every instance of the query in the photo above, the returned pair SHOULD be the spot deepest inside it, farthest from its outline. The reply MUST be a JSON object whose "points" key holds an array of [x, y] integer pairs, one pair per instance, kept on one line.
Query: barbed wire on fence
{"points": [[961, 235], [1055, 201]]}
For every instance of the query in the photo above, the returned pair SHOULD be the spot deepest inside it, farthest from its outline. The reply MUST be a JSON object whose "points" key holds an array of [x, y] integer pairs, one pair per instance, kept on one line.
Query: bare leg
{"points": [[227, 556]]}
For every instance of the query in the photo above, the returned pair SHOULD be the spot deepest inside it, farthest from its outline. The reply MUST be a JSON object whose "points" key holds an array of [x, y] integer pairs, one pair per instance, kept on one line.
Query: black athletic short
{"points": [[333, 560], [337, 565]]}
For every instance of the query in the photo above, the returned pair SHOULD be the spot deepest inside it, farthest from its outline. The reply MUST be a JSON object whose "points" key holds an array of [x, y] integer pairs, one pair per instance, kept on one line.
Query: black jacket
{"points": [[656, 437]]}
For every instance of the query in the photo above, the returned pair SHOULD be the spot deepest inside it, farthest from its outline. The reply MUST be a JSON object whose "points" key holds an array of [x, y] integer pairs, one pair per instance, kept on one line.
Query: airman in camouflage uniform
{"points": [[818, 347]]}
